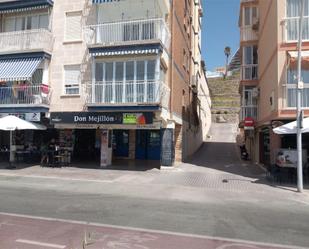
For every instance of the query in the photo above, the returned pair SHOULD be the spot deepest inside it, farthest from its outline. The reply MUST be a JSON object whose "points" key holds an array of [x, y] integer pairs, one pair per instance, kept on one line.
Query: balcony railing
{"points": [[248, 111], [125, 93], [291, 29], [25, 95], [127, 32], [249, 72], [27, 40], [248, 34]]}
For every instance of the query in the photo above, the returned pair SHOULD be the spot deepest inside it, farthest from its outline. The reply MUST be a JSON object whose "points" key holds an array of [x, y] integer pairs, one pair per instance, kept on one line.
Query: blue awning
{"points": [[127, 50], [104, 1], [18, 6], [16, 69]]}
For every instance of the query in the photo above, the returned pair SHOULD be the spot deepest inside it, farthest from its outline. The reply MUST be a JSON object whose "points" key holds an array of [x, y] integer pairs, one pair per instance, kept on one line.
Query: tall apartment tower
{"points": [[268, 40], [127, 69]]}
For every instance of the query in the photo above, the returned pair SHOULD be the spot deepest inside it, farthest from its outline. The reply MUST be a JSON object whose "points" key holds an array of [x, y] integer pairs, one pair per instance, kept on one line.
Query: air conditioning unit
{"points": [[255, 24], [255, 92], [194, 80]]}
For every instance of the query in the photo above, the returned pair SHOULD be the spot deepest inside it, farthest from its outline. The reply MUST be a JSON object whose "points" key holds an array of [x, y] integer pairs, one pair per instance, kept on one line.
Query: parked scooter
{"points": [[244, 153]]}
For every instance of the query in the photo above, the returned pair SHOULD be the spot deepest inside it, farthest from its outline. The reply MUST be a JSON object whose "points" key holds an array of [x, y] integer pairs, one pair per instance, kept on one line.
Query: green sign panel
{"points": [[130, 118]]}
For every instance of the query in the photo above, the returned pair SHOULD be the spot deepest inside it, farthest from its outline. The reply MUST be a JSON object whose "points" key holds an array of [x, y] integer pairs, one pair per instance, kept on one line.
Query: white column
{"points": [[92, 80], [45, 77]]}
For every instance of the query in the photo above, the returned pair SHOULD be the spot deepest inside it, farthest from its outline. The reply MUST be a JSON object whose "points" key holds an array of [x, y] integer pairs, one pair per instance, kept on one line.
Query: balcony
{"points": [[248, 111], [249, 72], [127, 33], [26, 41], [248, 33], [24, 95], [128, 93], [291, 29]]}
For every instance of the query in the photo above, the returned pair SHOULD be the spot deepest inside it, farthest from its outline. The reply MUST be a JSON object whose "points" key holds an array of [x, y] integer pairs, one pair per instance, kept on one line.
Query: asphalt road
{"points": [[248, 211]]}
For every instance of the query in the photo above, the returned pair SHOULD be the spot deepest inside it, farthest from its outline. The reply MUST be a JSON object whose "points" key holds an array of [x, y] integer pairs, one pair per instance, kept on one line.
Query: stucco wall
{"points": [[268, 60], [65, 53]]}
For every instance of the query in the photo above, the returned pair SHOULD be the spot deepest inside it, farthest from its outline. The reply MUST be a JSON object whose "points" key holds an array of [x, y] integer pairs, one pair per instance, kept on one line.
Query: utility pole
{"points": [[300, 86]]}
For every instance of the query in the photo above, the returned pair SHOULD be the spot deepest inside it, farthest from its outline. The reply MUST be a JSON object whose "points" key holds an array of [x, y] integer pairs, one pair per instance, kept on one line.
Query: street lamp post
{"points": [[300, 86], [227, 52]]}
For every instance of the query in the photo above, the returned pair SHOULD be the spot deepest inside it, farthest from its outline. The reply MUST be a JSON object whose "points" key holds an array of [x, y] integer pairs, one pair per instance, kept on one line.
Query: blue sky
{"points": [[220, 29]]}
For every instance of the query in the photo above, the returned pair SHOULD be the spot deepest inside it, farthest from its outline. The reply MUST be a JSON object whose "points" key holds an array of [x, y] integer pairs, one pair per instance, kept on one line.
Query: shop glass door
{"points": [[121, 143], [141, 142]]}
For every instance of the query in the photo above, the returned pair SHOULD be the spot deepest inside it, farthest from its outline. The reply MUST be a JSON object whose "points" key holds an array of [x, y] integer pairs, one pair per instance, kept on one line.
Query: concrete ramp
{"points": [[223, 133]]}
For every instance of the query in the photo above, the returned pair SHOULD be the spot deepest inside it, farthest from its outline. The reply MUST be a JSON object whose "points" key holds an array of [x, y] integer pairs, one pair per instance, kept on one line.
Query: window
{"points": [[127, 81], [19, 23], [250, 16], [292, 23], [72, 79], [73, 30], [291, 87], [250, 63], [247, 16]]}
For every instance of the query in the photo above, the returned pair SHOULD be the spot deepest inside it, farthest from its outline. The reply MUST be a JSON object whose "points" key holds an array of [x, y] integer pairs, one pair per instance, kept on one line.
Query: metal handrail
{"points": [[25, 94], [127, 92], [127, 31]]}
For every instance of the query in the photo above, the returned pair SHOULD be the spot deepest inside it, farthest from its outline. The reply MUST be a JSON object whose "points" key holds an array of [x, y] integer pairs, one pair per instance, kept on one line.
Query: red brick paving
{"points": [[17, 232]]}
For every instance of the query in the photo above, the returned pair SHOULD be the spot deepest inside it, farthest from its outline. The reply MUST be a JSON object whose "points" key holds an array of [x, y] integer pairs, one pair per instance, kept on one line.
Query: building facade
{"points": [[121, 71], [268, 41]]}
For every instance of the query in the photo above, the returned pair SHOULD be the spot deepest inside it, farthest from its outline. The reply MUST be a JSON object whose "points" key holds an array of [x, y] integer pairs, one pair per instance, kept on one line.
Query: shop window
{"points": [[72, 79]]}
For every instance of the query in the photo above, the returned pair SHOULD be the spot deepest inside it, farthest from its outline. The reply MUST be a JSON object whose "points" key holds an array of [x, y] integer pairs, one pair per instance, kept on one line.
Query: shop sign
{"points": [[249, 123], [34, 116], [154, 126], [101, 118], [31, 116], [134, 118]]}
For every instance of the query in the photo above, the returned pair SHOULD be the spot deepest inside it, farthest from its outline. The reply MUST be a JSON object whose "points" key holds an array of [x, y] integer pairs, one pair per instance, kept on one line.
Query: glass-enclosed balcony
{"points": [[128, 32], [291, 88], [248, 34], [291, 22], [248, 111], [249, 72], [128, 93]]}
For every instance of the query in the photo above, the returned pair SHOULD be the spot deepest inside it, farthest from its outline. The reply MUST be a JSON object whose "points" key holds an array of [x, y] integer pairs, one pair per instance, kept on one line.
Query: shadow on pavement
{"points": [[225, 157]]}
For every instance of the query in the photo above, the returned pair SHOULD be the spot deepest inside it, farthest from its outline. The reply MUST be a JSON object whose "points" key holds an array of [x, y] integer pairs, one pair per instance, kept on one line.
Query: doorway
{"points": [[121, 143], [148, 145]]}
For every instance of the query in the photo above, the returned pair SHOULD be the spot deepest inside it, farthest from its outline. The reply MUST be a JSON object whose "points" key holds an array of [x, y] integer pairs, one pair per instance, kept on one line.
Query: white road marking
{"points": [[37, 243], [152, 231]]}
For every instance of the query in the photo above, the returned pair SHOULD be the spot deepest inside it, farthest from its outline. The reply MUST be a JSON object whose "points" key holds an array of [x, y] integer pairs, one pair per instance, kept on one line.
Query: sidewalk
{"points": [[183, 175]]}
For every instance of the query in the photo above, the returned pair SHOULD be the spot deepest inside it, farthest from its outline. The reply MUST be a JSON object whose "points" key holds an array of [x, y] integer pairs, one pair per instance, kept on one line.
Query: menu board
{"points": [[167, 147]]}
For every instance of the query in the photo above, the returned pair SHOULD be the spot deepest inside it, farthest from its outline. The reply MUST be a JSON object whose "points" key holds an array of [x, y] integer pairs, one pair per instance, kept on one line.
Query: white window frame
{"points": [[66, 39], [250, 15], [72, 86], [289, 86]]}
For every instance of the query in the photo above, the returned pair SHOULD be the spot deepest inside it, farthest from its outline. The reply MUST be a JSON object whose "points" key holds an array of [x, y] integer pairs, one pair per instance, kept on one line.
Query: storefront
{"points": [[26, 143], [129, 136]]}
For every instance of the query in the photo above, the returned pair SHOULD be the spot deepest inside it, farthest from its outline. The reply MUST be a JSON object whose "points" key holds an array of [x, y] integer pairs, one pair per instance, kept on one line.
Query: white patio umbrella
{"points": [[291, 128], [12, 123]]}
